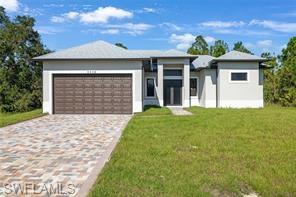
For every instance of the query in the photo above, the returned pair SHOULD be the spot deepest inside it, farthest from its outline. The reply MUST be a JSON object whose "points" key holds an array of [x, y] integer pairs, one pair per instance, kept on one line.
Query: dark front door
{"points": [[172, 92]]}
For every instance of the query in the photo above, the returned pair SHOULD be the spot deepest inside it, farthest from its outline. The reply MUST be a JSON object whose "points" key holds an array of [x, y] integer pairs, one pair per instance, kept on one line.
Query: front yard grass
{"points": [[12, 118], [152, 110], [215, 152]]}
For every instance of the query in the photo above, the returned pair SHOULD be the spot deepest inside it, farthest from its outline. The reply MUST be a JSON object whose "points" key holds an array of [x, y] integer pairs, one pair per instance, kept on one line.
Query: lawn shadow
{"points": [[148, 107]]}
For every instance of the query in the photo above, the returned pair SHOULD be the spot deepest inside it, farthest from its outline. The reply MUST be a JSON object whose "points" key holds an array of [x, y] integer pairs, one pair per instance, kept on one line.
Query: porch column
{"points": [[186, 84], [160, 84]]}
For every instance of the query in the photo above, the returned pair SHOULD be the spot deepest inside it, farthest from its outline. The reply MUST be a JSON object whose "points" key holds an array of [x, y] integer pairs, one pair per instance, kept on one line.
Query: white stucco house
{"points": [[100, 77]]}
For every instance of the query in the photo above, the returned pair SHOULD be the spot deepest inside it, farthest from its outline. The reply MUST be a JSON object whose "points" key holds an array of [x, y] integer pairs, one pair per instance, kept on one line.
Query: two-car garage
{"points": [[92, 94]]}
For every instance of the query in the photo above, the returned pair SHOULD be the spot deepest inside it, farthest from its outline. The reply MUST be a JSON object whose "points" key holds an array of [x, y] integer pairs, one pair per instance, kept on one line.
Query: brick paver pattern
{"points": [[55, 149]]}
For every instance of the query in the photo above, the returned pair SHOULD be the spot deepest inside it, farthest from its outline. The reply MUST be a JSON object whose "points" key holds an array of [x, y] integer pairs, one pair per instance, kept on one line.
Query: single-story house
{"points": [[100, 77]]}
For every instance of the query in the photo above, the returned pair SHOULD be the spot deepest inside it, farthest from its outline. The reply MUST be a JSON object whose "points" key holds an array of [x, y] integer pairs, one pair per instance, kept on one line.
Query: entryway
{"points": [[172, 92]]}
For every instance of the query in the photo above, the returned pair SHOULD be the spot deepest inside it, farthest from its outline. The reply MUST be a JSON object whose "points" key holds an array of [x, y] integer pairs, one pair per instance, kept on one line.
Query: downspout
{"points": [[143, 86], [217, 87]]}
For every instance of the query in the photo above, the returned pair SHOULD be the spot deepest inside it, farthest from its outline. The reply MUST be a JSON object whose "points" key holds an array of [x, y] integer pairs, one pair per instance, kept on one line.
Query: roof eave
{"points": [[174, 57], [83, 59], [238, 60]]}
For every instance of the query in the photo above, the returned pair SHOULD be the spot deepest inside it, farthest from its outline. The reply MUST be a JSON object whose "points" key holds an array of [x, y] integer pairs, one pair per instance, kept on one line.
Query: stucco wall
{"points": [[94, 67], [207, 88], [240, 94]]}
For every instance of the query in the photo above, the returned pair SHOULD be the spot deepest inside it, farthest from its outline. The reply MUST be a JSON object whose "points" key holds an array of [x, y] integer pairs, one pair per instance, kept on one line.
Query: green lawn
{"points": [[12, 118], [152, 110], [214, 152]]}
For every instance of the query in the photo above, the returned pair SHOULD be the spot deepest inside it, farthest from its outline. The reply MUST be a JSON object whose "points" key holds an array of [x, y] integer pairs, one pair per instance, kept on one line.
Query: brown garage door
{"points": [[92, 94]]}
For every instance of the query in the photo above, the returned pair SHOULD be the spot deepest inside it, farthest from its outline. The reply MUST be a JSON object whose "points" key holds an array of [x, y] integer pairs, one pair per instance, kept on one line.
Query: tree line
{"points": [[279, 80], [21, 78]]}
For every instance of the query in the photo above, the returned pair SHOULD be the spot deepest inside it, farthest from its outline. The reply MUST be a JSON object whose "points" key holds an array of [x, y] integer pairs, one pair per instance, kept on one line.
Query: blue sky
{"points": [[263, 25]]}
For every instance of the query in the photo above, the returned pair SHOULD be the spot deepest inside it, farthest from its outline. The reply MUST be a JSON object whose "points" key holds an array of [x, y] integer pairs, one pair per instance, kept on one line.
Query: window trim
{"points": [[196, 87], [146, 87], [239, 81], [173, 77]]}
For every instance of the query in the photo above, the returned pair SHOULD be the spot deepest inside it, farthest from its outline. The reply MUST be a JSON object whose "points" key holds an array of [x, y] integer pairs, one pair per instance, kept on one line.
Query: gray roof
{"points": [[160, 53], [105, 50], [236, 55], [94, 50], [202, 61]]}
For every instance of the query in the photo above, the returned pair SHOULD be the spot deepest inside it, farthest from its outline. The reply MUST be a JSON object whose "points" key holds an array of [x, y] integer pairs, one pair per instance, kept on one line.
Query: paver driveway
{"points": [[56, 153]]}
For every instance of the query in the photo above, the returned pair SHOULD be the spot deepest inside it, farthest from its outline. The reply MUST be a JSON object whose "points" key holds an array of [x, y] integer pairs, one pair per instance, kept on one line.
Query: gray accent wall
{"points": [[150, 100], [194, 100]]}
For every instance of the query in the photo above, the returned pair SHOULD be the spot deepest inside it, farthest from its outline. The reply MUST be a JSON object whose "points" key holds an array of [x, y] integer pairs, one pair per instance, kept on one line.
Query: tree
{"points": [[20, 77], [271, 79], [220, 48], [280, 82], [120, 45], [238, 46], [199, 47], [287, 74]]}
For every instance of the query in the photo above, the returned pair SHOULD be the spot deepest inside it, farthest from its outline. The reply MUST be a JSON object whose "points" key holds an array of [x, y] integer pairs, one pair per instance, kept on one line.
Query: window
{"points": [[172, 72], [239, 76], [193, 87], [150, 92]]}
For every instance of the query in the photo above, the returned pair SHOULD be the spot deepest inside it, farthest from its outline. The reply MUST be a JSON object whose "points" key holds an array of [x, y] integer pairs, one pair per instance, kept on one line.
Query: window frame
{"points": [[239, 81], [146, 87], [173, 77], [196, 86]]}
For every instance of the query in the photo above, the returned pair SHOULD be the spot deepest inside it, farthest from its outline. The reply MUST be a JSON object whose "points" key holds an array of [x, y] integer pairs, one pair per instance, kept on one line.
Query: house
{"points": [[100, 77]]}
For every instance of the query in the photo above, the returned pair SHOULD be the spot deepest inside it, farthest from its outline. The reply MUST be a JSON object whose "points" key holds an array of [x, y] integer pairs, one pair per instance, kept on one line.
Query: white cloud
{"points": [[57, 19], [240, 27], [126, 28], [26, 10], [170, 26], [183, 41], [209, 39], [264, 43], [53, 5], [249, 45], [65, 17], [222, 24], [150, 10], [10, 5], [71, 15], [147, 10], [241, 32], [110, 31], [104, 14], [276, 26], [287, 14], [48, 30], [132, 28], [100, 15], [283, 46]]}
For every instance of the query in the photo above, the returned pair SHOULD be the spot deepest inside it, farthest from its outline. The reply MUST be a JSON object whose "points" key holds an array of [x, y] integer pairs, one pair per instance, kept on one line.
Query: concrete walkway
{"points": [[179, 111]]}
